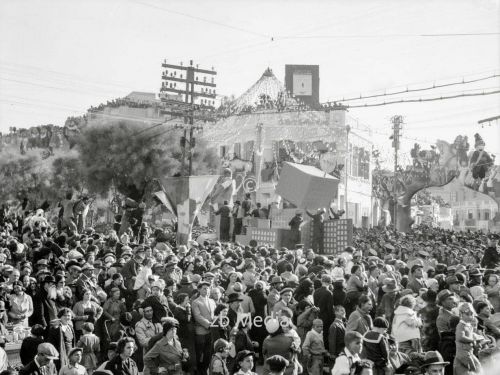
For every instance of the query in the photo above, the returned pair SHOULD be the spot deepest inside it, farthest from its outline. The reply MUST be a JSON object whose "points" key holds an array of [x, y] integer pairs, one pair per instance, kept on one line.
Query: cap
{"points": [[87, 267], [443, 295], [433, 358], [234, 297], [276, 280], [415, 267], [286, 290], [48, 350], [74, 350]]}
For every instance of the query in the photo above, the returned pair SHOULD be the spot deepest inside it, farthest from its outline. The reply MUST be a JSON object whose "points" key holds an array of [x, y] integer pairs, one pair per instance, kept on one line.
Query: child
{"points": [[110, 355], [74, 367], [277, 365], [349, 357], [218, 362], [244, 363], [90, 345], [313, 349], [336, 332], [376, 346]]}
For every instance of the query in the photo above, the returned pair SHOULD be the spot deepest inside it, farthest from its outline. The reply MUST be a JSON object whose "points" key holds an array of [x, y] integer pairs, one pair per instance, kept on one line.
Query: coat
{"points": [[117, 367], [323, 299], [406, 325], [280, 345], [33, 369], [29, 348], [203, 314], [56, 337], [129, 271], [162, 354], [359, 322]]}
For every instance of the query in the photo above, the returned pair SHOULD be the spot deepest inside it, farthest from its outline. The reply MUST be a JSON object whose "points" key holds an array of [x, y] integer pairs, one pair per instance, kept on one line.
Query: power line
{"points": [[372, 36], [463, 82], [202, 19], [423, 100]]}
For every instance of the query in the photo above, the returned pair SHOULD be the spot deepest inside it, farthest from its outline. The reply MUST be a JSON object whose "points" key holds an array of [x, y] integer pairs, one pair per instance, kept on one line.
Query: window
{"points": [[470, 215], [486, 215], [237, 150]]}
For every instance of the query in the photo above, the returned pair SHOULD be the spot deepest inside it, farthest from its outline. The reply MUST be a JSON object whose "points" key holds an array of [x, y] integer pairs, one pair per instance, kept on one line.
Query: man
{"points": [[360, 319], [318, 230], [434, 364], [225, 221], [203, 313], [286, 301], [130, 271], [80, 210], [234, 301], [295, 225], [274, 293], [238, 215], [491, 257], [145, 328], [85, 282], [43, 363], [336, 332], [68, 222], [44, 305], [417, 278], [446, 323], [323, 299]]}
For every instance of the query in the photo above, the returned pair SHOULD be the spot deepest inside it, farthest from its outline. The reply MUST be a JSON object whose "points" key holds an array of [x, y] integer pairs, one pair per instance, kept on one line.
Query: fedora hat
{"points": [[186, 280], [433, 358], [390, 286], [234, 297]]}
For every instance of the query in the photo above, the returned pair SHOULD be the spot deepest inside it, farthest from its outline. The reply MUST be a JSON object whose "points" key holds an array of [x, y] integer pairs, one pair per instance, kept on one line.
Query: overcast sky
{"points": [[59, 57]]}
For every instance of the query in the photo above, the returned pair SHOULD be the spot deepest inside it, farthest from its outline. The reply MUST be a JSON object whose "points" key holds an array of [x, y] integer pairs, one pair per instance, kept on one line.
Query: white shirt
{"points": [[343, 363]]}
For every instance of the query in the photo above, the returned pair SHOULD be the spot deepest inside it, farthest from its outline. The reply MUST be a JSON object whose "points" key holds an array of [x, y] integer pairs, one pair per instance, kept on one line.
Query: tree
{"points": [[123, 155], [67, 174]]}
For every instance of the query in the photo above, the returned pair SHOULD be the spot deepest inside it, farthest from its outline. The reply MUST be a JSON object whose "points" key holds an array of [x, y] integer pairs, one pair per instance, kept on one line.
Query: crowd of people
{"points": [[424, 302]]}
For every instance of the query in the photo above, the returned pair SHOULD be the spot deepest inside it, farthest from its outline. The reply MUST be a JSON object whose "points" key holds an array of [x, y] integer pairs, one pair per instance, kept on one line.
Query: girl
{"points": [[244, 363], [90, 345], [465, 362]]}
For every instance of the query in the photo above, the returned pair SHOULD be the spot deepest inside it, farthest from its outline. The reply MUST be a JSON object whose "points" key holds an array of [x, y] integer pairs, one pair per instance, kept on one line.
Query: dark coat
{"points": [[28, 349], [323, 299], [117, 367], [491, 258], [44, 309]]}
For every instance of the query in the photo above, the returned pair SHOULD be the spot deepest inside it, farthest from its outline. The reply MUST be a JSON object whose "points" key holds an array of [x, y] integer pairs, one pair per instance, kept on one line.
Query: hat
{"points": [[389, 247], [415, 267], [74, 350], [433, 358], [277, 280], [475, 273], [443, 295], [286, 290], [186, 280], [373, 252], [277, 363], [380, 322], [49, 279], [169, 323], [452, 280], [234, 297], [88, 266], [203, 283], [207, 275], [390, 285], [42, 262], [272, 325], [48, 350], [423, 253], [242, 354]]}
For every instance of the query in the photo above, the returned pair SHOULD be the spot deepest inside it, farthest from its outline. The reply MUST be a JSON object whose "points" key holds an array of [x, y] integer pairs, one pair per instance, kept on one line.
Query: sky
{"points": [[59, 57]]}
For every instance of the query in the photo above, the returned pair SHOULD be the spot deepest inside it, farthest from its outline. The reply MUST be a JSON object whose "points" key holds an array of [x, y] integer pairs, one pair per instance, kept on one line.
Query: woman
{"points": [[85, 310], [234, 277], [259, 299], [122, 363], [354, 288], [21, 305], [166, 353], [62, 336], [221, 328], [114, 306], [465, 362], [304, 310], [406, 326], [484, 322], [492, 289], [242, 341], [277, 343], [186, 328], [158, 301]]}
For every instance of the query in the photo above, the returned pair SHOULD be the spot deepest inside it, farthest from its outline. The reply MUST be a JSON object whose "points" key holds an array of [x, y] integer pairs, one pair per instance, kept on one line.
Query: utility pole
{"points": [[346, 168], [194, 101], [397, 126]]}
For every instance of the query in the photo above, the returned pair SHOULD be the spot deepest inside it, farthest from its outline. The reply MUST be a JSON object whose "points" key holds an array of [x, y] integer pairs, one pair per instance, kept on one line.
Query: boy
{"points": [[376, 346], [74, 367], [349, 357], [218, 363], [314, 348], [336, 332], [277, 365]]}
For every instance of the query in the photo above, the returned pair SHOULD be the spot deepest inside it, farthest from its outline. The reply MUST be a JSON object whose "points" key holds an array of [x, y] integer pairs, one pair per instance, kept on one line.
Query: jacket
{"points": [[203, 314], [359, 322], [406, 324], [162, 354], [117, 367]]}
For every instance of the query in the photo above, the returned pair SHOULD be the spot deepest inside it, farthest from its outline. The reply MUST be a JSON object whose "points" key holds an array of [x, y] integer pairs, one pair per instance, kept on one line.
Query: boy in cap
{"points": [[313, 348], [218, 363], [74, 367], [376, 346], [277, 364]]}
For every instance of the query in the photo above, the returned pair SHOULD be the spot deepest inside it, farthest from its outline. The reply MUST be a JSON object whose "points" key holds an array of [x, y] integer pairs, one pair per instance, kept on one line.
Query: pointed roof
{"points": [[268, 89]]}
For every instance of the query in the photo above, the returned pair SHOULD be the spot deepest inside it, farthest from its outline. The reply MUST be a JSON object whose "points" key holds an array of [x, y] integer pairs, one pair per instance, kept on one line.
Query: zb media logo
{"points": [[246, 318]]}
